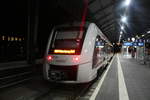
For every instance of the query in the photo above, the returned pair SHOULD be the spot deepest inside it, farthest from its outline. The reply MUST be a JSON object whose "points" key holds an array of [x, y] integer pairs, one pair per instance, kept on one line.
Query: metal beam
{"points": [[106, 21], [103, 8], [107, 24], [110, 34], [104, 16], [109, 27], [108, 30]]}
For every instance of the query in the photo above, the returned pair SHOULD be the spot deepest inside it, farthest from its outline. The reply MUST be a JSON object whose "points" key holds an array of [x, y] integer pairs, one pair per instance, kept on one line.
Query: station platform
{"points": [[124, 79]]}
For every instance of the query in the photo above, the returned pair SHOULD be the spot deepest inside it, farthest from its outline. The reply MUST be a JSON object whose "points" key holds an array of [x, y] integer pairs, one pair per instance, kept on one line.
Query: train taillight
{"points": [[76, 59], [49, 58]]}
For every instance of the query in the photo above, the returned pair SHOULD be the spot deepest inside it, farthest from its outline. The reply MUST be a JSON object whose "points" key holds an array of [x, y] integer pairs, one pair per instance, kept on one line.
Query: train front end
{"points": [[64, 61]]}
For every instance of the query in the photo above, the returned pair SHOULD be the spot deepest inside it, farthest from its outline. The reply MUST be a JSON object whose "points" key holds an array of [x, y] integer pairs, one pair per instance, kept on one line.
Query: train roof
{"points": [[75, 24], [86, 25]]}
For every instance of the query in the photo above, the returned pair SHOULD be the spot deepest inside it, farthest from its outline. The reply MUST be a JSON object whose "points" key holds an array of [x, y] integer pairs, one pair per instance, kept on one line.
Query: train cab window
{"points": [[67, 38]]}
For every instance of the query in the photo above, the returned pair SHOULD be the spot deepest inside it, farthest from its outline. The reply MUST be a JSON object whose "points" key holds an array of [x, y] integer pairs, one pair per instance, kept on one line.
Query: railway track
{"points": [[59, 91], [64, 92], [13, 76], [52, 91], [17, 72]]}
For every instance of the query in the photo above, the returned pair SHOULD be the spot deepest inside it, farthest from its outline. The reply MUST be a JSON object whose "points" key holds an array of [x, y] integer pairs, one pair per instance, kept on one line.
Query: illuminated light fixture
{"points": [[3, 37], [137, 36], [16, 38], [12, 38], [128, 39], [133, 39], [143, 35], [121, 32], [124, 19], [148, 31], [122, 27], [127, 2], [64, 51], [120, 36], [20, 39], [8, 38]]}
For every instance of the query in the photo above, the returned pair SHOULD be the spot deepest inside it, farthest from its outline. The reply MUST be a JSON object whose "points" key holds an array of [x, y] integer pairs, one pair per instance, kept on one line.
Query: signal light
{"points": [[49, 58]]}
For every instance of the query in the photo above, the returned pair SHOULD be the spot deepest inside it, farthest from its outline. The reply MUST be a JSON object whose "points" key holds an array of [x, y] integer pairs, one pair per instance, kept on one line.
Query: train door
{"points": [[98, 55]]}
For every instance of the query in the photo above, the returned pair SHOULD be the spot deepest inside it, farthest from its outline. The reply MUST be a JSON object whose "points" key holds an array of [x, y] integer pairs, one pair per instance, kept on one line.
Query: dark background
{"points": [[32, 21]]}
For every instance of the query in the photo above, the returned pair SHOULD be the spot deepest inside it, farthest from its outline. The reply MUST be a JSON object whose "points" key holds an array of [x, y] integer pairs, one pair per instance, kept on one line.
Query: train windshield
{"points": [[68, 38]]}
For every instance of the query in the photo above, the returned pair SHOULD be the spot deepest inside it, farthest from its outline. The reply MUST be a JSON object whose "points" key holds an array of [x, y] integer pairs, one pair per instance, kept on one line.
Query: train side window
{"points": [[99, 52], [96, 52]]}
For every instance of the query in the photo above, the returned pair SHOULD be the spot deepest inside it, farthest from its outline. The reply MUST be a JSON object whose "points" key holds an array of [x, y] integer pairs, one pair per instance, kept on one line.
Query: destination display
{"points": [[128, 44], [141, 44], [133, 44]]}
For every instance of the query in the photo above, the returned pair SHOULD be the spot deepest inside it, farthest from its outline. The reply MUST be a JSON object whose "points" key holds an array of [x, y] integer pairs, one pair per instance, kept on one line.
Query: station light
{"points": [[20, 39], [148, 31], [127, 2], [12, 38], [122, 27], [133, 39], [137, 36], [120, 36], [3, 37], [121, 32], [124, 19], [8, 38], [16, 38], [128, 39], [143, 35]]}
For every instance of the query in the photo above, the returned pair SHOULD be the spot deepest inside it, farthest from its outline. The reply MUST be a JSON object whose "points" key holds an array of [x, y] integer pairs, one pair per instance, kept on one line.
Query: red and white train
{"points": [[75, 53]]}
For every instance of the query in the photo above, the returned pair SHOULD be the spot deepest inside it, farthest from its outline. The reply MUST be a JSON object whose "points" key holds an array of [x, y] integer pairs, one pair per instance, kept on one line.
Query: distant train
{"points": [[75, 53]]}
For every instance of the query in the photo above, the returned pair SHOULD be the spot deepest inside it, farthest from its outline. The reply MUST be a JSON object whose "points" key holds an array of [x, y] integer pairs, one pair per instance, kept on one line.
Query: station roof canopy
{"points": [[107, 15]]}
